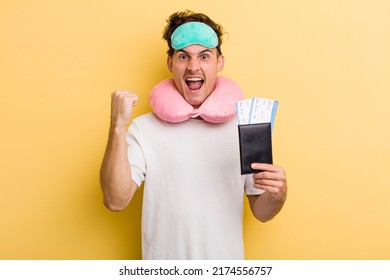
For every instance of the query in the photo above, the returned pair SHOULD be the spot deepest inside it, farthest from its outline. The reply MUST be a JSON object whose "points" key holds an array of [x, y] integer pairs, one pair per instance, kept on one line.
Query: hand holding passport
{"points": [[255, 121]]}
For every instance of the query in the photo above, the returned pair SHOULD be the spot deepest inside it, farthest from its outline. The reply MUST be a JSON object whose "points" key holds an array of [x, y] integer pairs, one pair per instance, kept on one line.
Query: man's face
{"points": [[195, 70]]}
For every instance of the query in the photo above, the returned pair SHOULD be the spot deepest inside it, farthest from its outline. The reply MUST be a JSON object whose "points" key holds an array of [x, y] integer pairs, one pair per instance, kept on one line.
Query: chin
{"points": [[194, 103], [198, 100]]}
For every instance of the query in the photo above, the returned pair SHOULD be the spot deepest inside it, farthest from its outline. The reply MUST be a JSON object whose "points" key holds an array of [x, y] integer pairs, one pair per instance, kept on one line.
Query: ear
{"points": [[221, 62], [169, 63]]}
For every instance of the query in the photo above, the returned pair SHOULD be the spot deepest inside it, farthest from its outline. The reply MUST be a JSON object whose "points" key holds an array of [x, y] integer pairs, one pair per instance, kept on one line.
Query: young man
{"points": [[189, 163]]}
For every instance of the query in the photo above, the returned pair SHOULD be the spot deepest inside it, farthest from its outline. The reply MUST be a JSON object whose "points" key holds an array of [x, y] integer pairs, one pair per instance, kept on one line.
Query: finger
{"points": [[271, 189], [124, 96], [266, 167], [270, 183], [278, 193], [133, 98], [121, 91], [276, 176]]}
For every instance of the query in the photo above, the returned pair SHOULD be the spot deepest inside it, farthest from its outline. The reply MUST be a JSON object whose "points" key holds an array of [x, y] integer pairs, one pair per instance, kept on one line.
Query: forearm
{"points": [[265, 207], [115, 173], [272, 180]]}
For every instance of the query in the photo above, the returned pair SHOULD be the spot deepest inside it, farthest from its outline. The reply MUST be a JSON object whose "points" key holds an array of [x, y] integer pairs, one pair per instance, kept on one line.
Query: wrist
{"points": [[118, 129]]}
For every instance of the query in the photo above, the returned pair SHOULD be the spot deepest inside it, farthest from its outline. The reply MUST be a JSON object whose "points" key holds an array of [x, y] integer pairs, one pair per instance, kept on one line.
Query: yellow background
{"points": [[327, 62]]}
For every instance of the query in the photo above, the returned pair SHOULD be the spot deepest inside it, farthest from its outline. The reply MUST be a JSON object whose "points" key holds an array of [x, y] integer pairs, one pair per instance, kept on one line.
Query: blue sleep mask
{"points": [[194, 33]]}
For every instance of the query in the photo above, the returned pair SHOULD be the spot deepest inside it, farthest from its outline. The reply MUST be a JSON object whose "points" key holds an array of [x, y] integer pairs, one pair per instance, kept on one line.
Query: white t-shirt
{"points": [[193, 191]]}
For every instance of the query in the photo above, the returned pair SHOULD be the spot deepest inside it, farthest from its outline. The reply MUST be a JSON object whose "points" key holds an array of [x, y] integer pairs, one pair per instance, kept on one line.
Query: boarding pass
{"points": [[256, 110]]}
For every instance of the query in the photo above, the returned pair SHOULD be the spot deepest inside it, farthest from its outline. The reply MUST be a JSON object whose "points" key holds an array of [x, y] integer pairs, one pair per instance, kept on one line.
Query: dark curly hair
{"points": [[179, 18]]}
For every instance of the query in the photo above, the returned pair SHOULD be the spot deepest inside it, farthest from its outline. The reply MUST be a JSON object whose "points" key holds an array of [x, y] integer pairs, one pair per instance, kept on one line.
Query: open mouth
{"points": [[194, 83]]}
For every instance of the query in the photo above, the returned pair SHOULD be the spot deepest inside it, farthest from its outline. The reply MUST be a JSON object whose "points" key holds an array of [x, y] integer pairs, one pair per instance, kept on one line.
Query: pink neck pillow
{"points": [[168, 104]]}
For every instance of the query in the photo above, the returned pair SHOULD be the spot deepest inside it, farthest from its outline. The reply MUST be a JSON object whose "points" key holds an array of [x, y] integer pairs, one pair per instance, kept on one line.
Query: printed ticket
{"points": [[256, 110]]}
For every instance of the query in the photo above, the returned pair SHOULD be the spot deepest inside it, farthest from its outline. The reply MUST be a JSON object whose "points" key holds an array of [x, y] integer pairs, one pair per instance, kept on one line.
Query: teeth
{"points": [[194, 79]]}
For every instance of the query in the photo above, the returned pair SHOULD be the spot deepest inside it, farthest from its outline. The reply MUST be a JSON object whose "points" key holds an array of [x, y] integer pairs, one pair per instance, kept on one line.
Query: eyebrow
{"points": [[202, 52]]}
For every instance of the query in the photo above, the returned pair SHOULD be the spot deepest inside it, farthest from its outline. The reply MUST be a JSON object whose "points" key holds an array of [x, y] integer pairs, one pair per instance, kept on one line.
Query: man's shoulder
{"points": [[148, 117], [147, 121]]}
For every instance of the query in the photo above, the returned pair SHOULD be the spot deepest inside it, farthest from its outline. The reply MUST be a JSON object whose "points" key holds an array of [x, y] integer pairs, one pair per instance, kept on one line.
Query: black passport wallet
{"points": [[255, 145]]}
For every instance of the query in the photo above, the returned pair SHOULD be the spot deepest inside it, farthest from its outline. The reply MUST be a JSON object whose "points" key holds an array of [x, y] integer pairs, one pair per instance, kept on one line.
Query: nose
{"points": [[193, 65]]}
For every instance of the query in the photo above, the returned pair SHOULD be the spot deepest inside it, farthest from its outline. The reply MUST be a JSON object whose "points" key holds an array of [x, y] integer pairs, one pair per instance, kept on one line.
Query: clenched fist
{"points": [[122, 103]]}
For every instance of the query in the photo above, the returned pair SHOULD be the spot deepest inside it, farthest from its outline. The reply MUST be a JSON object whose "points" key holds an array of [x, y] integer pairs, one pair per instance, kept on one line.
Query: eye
{"points": [[204, 56], [183, 56]]}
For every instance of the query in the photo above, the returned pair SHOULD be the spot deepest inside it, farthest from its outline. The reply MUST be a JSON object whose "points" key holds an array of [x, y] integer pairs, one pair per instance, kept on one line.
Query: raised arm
{"points": [[115, 173]]}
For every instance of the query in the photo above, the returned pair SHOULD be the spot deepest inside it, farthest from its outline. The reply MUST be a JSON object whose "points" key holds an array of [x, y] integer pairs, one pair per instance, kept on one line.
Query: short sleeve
{"points": [[249, 189]]}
